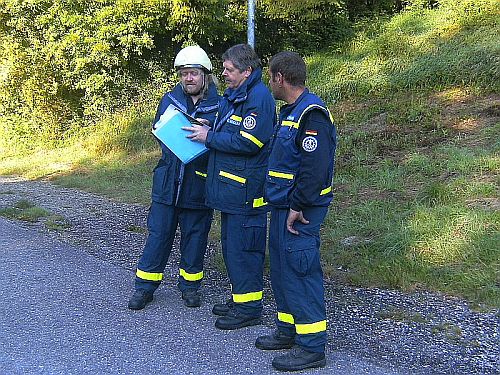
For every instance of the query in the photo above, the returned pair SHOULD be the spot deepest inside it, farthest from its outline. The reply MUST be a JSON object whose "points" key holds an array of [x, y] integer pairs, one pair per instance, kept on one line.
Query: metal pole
{"points": [[251, 23]]}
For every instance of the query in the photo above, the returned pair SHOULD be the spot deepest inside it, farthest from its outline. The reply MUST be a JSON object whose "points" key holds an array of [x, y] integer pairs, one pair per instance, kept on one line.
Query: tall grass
{"points": [[455, 44], [113, 156]]}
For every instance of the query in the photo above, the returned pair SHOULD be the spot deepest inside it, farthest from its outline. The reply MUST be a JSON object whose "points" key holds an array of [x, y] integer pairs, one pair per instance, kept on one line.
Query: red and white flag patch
{"points": [[311, 132]]}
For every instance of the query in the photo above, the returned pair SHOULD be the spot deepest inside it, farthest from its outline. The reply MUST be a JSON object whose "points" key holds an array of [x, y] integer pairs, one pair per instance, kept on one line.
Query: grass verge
{"points": [[27, 211]]}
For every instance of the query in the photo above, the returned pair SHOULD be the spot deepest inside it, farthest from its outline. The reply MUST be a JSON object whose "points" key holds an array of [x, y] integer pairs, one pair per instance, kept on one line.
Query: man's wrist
{"points": [[295, 207], [210, 135]]}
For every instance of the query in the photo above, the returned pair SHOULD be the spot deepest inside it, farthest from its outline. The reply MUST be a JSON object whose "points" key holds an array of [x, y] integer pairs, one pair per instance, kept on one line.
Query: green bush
{"points": [[304, 26]]}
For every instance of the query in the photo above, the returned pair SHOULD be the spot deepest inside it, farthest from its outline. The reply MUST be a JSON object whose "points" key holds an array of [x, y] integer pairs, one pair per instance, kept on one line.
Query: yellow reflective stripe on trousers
{"points": [[326, 190], [259, 202], [285, 318], [151, 276], [191, 276], [252, 138], [201, 174], [247, 297], [291, 124], [233, 177], [304, 329], [288, 176]]}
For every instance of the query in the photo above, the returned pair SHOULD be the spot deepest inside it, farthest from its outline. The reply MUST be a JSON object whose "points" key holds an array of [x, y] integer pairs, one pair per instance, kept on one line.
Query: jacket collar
{"points": [[290, 107], [210, 99], [240, 93]]}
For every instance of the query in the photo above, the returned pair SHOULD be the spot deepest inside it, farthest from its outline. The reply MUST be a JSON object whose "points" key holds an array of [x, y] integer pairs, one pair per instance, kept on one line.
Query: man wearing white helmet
{"points": [[178, 193]]}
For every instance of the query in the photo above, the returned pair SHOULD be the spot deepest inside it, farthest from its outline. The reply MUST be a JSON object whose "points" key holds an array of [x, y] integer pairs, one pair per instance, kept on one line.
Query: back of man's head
{"points": [[242, 56], [291, 66]]}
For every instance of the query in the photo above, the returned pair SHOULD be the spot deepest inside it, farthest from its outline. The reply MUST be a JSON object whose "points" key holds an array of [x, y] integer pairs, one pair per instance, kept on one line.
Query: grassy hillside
{"points": [[456, 44], [418, 110], [417, 105]]}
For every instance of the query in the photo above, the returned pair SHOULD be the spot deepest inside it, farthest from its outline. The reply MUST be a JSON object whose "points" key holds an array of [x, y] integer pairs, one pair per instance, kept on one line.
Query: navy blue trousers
{"points": [[162, 224], [297, 278], [243, 241]]}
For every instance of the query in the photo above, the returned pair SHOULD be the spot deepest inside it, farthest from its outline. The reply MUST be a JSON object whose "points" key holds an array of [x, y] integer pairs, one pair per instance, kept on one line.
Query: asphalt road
{"points": [[64, 311]]}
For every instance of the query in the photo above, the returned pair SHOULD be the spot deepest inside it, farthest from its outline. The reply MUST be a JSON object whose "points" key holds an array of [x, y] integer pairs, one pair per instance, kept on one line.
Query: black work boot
{"points": [[276, 341], [191, 298], [222, 309], [298, 359], [140, 299], [235, 320]]}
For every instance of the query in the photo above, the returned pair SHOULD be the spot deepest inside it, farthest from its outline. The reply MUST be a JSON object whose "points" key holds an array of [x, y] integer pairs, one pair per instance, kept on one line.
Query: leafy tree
{"points": [[63, 60], [302, 25]]}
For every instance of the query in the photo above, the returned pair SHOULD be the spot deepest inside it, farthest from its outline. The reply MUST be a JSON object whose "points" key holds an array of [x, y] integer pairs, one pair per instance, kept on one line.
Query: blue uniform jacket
{"points": [[173, 182], [239, 148], [301, 163]]}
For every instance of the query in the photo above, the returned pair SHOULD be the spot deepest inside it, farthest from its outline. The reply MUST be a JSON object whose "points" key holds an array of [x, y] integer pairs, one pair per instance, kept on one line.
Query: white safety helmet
{"points": [[193, 57]]}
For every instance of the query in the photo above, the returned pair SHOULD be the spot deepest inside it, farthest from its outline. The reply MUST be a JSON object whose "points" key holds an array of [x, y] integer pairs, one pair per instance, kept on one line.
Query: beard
{"points": [[192, 89]]}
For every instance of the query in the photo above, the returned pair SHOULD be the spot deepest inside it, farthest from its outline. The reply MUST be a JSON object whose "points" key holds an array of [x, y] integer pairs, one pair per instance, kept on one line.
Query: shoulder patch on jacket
{"points": [[309, 144], [249, 122]]}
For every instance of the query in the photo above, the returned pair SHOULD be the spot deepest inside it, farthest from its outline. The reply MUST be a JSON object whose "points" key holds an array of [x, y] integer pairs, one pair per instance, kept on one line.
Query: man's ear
{"points": [[247, 72]]}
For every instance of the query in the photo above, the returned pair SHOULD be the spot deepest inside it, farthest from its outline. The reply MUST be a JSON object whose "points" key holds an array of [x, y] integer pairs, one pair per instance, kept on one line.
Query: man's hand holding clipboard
{"points": [[174, 127], [198, 129]]}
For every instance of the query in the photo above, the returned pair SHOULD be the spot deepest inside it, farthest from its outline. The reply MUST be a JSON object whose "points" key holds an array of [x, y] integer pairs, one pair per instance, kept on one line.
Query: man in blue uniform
{"points": [[299, 189], [239, 144], [178, 194]]}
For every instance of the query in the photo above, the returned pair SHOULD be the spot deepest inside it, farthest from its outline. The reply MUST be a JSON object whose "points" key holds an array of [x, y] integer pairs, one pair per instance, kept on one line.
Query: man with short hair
{"points": [[178, 194], [299, 190], [238, 145]]}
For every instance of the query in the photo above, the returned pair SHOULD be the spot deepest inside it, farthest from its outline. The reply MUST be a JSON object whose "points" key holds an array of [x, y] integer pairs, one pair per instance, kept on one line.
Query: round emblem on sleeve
{"points": [[249, 122], [309, 144]]}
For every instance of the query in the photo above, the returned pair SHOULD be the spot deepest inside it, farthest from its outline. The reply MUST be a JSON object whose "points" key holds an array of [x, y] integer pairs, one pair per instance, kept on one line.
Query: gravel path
{"points": [[417, 333]]}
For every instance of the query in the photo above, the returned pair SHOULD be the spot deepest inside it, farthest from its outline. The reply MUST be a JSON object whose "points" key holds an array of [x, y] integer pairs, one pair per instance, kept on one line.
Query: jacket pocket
{"points": [[194, 187], [232, 188], [163, 184], [278, 187]]}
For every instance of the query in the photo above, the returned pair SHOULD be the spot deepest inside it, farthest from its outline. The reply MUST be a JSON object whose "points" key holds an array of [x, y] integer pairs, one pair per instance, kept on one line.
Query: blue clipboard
{"points": [[168, 129]]}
